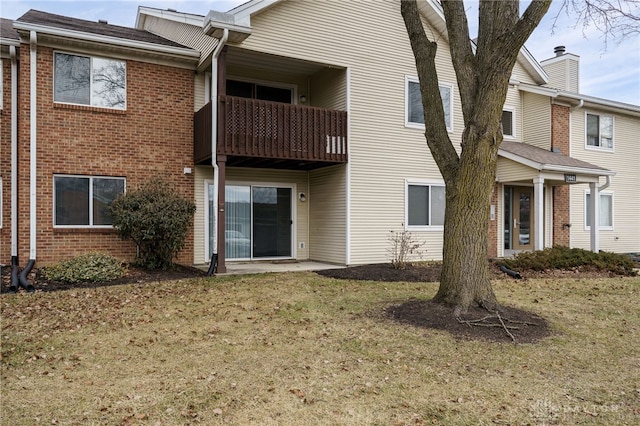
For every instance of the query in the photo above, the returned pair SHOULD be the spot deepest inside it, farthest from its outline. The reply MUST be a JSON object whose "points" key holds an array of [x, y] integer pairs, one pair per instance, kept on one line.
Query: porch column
{"points": [[222, 162], [594, 223], [538, 213]]}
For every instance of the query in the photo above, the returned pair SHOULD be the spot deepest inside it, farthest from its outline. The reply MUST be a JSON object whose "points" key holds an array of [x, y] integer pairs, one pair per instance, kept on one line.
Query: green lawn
{"points": [[301, 349]]}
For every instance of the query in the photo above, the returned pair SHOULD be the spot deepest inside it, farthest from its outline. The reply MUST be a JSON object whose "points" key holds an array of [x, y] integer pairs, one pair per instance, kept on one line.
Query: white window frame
{"points": [[512, 110], [587, 205], [420, 182], [91, 178], [91, 59], [613, 135], [410, 124]]}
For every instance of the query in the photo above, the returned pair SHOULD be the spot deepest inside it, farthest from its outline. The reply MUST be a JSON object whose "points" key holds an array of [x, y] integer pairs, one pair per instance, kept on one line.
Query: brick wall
{"points": [[560, 123], [152, 138]]}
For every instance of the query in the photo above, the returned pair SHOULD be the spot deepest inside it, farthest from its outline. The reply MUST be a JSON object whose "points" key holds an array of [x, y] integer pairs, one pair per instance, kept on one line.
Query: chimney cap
{"points": [[559, 50]]}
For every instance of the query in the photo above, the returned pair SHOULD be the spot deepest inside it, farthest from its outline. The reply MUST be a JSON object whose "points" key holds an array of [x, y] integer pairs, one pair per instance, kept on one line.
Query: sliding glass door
{"points": [[258, 222]]}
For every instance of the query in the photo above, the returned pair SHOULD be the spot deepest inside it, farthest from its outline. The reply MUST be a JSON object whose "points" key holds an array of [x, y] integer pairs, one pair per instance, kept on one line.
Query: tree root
{"points": [[494, 320]]}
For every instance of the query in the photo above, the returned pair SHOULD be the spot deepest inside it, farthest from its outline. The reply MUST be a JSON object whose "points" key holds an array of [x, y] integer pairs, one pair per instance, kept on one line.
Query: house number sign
{"points": [[570, 178]]}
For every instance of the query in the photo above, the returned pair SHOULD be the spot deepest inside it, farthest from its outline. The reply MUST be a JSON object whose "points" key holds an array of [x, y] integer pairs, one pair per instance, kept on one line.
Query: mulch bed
{"points": [[134, 275]]}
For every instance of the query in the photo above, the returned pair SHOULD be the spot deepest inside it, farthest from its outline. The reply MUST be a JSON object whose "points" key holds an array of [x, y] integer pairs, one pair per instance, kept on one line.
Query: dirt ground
{"points": [[509, 325]]}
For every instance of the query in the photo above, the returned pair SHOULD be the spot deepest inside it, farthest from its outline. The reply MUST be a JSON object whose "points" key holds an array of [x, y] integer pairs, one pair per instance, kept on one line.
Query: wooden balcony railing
{"points": [[272, 130]]}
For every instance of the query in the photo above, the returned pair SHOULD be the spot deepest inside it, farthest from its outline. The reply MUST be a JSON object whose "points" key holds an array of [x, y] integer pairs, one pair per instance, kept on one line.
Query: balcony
{"points": [[256, 133]]}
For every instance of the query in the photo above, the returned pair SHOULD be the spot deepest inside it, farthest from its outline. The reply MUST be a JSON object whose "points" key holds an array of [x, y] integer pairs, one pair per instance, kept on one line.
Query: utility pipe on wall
{"points": [[14, 169], [214, 145], [33, 112]]}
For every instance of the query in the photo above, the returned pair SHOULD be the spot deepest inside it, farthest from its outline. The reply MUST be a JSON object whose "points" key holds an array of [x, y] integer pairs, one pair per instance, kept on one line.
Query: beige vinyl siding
{"points": [[199, 91], [201, 174], [509, 171], [328, 214], [514, 102], [624, 160], [521, 74], [328, 89], [185, 34], [383, 152], [563, 73], [299, 181], [537, 124]]}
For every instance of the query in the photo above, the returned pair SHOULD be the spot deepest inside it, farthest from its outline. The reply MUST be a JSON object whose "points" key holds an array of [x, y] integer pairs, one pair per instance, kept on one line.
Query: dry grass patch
{"points": [[298, 348]]}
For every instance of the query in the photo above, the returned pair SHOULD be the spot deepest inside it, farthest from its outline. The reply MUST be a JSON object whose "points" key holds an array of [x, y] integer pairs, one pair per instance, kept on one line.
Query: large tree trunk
{"points": [[483, 81], [465, 280]]}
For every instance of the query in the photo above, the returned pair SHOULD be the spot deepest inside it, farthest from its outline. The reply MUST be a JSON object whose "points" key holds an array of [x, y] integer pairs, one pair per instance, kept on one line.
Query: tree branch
{"points": [[462, 56], [424, 51]]}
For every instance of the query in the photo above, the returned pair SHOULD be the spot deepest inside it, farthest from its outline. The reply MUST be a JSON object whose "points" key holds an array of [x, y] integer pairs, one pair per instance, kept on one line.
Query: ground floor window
{"points": [[606, 211], [83, 201], [424, 205]]}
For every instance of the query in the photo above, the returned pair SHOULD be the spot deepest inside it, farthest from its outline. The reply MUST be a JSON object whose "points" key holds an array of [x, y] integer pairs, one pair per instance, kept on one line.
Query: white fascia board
{"points": [[554, 167], [538, 90], [606, 104], [577, 170], [243, 12], [170, 15], [519, 159], [562, 57], [9, 42], [97, 38], [534, 66]]}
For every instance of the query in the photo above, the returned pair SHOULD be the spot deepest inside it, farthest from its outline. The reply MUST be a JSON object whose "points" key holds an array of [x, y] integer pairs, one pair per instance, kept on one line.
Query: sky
{"points": [[608, 69]]}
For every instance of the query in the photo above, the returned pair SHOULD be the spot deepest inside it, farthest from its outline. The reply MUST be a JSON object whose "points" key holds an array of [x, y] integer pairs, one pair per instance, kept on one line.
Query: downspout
{"points": [[33, 111], [213, 265], [15, 268]]}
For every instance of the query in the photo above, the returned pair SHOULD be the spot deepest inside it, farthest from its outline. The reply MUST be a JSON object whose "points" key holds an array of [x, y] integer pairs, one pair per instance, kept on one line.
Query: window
{"points": [[415, 114], [606, 211], [245, 89], [508, 123], [600, 131], [425, 205], [90, 81], [81, 201]]}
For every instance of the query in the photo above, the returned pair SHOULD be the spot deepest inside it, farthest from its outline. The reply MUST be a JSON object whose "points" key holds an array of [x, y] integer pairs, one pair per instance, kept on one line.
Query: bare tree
{"points": [[617, 18], [483, 79]]}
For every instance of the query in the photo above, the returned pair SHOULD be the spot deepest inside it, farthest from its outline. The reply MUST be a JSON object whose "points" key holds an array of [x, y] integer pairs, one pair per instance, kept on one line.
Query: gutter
{"points": [[213, 265], [121, 42], [14, 170], [33, 114]]}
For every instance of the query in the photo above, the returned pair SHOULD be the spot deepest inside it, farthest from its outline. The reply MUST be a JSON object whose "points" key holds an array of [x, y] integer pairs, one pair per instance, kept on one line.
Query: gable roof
{"points": [[7, 32], [430, 9], [65, 27], [541, 159]]}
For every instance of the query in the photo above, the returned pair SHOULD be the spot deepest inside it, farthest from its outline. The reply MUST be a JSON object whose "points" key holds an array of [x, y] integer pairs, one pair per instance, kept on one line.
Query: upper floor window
{"points": [[414, 112], [508, 123], [83, 201], [86, 80], [425, 205], [600, 131], [606, 211], [263, 92]]}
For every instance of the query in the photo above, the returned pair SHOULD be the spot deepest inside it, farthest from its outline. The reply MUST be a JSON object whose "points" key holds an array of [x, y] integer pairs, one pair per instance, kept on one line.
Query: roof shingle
{"points": [[81, 25]]}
